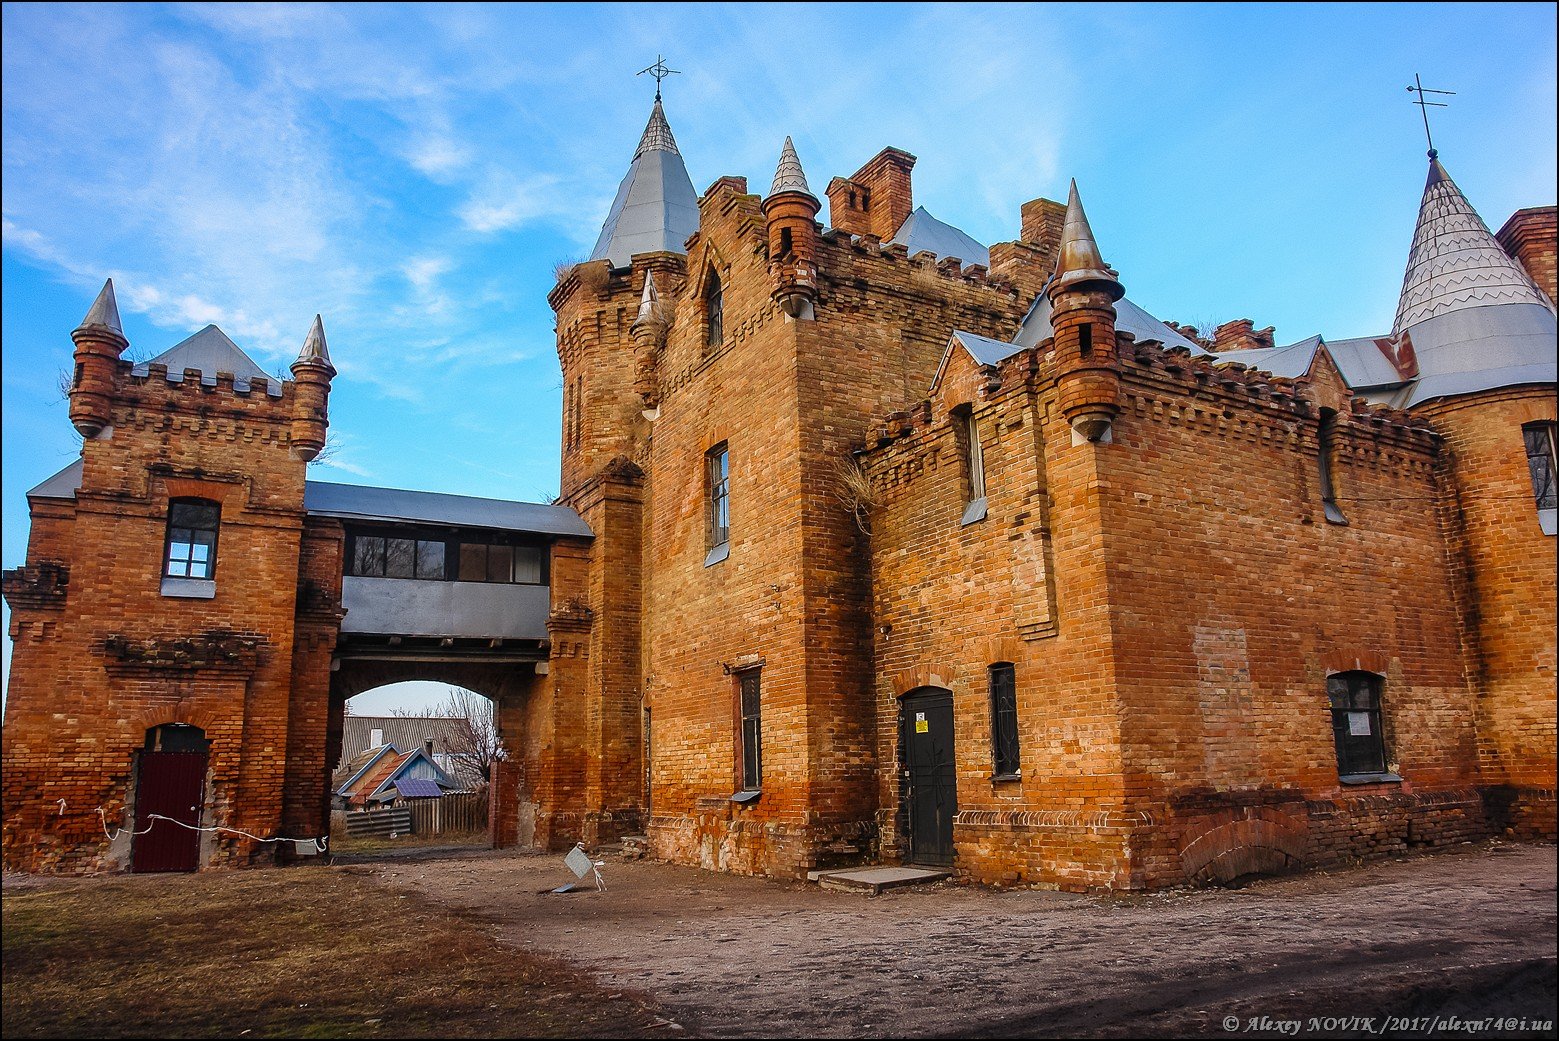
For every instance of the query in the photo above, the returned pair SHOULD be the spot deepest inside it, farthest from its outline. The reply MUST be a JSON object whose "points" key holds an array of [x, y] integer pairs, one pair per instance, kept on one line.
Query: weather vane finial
{"points": [[1423, 106], [660, 72]]}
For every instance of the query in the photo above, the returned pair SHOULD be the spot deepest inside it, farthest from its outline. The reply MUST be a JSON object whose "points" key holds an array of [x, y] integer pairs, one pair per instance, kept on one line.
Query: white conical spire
{"points": [[1455, 262], [789, 177], [656, 208], [104, 312], [314, 349]]}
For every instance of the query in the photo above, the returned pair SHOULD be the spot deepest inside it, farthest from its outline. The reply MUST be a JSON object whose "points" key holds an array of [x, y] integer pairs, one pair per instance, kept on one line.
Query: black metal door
{"points": [[930, 775], [171, 784]]}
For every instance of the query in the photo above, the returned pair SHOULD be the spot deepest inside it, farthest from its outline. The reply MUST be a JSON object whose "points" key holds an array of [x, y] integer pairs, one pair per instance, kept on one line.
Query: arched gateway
{"points": [[195, 615]]}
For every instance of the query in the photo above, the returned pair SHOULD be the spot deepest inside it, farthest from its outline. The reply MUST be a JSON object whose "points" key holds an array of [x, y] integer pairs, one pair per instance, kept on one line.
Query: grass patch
{"points": [[300, 952]]}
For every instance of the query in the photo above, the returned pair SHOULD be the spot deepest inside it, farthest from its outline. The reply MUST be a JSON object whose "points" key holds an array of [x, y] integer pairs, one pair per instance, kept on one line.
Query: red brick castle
{"points": [[875, 544]]}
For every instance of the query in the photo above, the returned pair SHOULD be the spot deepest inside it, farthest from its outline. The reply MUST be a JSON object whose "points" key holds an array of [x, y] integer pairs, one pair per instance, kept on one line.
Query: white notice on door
{"points": [[1359, 724]]}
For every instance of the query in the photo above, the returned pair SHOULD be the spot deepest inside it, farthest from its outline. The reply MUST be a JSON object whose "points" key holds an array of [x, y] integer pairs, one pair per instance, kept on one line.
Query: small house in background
{"points": [[386, 776], [362, 734]]}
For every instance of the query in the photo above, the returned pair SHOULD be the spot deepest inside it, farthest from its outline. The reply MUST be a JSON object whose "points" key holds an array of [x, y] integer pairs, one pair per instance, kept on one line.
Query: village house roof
{"points": [[656, 208]]}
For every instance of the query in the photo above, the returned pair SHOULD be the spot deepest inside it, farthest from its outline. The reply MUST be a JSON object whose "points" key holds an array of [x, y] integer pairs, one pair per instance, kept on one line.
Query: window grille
{"points": [[752, 729], [1004, 719], [1540, 462], [1356, 722]]}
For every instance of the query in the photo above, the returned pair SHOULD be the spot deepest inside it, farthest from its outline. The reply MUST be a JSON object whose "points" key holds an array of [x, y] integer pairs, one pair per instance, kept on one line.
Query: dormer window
{"points": [[714, 311]]}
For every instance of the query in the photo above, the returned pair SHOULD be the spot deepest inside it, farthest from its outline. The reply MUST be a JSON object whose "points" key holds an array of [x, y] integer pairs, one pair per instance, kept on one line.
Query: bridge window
{"points": [[463, 558]]}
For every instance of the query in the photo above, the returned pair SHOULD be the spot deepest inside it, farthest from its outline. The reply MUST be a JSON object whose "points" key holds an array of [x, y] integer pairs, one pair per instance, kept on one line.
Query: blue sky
{"points": [[415, 174]]}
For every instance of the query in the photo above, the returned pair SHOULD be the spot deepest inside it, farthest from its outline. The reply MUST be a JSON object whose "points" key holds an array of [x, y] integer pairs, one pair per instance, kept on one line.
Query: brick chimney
{"points": [[1528, 236], [876, 199], [1042, 222], [1241, 335]]}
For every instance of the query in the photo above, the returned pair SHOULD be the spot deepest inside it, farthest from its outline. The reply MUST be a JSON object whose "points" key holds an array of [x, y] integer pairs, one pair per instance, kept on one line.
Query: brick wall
{"points": [[1508, 569], [1173, 715]]}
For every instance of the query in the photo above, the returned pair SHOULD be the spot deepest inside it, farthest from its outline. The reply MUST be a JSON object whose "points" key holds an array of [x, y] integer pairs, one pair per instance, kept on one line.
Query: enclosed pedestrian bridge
{"points": [[425, 576], [438, 577]]}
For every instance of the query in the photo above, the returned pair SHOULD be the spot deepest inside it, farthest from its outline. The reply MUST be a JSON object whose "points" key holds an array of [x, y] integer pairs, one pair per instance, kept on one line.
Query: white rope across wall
{"points": [[303, 846]]}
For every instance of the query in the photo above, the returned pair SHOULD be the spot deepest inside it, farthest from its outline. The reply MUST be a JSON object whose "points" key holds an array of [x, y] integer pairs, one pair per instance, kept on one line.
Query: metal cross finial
{"points": [[1423, 106], [660, 72]]}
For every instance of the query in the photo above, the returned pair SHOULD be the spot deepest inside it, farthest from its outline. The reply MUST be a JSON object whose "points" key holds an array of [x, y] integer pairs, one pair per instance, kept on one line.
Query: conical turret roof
{"points": [[1455, 262], [789, 177], [315, 351], [1471, 316], [649, 297], [1079, 259], [656, 208], [104, 312]]}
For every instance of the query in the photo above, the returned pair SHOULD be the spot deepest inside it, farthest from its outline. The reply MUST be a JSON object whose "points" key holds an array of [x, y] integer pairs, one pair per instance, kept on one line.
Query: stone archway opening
{"points": [[414, 768], [510, 682]]}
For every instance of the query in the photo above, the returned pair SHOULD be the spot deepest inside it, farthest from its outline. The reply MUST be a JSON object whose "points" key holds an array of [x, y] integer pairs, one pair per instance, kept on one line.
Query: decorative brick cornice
{"points": [[39, 587], [217, 650]]}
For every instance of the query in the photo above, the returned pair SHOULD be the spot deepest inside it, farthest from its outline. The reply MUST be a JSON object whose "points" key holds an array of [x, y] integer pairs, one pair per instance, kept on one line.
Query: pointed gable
{"points": [[210, 352], [922, 232], [656, 208]]}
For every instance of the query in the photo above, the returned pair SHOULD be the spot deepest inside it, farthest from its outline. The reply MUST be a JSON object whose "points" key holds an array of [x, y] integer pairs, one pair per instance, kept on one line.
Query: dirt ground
{"points": [[1458, 936], [302, 952]]}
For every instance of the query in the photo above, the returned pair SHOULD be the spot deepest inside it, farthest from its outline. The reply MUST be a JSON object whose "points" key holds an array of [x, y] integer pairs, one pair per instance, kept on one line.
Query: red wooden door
{"points": [[171, 784]]}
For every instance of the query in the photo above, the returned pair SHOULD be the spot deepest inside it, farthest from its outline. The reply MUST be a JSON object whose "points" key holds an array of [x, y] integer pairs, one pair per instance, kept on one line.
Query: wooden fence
{"points": [[381, 823], [460, 813]]}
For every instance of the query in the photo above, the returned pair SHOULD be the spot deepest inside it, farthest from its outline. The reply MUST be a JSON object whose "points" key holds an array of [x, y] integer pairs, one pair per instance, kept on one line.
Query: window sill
{"points": [[999, 778], [743, 797], [975, 511], [190, 588], [1386, 778], [718, 554]]}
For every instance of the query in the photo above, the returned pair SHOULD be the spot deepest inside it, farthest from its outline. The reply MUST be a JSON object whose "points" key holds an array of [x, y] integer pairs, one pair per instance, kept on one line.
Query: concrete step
{"points": [[874, 880]]}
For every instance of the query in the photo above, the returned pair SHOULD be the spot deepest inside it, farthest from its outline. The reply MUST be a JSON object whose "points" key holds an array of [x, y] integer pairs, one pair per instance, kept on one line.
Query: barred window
{"points": [[1356, 722], [748, 689], [1004, 719], [1540, 462], [191, 549]]}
